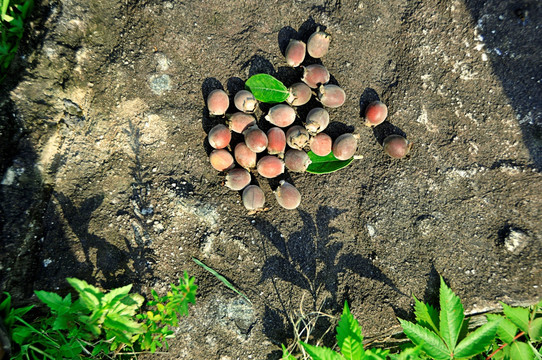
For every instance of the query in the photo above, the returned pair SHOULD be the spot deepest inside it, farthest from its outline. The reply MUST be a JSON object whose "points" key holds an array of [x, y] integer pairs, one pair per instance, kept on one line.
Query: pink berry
{"points": [[315, 75], [318, 44], [321, 144], [237, 179], [255, 139], [331, 95], [287, 195], [239, 122], [276, 141], [218, 102], [396, 146], [244, 101], [221, 159], [219, 136], [295, 52], [244, 156], [300, 94], [297, 137], [317, 120], [281, 115], [253, 197], [296, 160], [375, 113], [270, 166], [345, 146]]}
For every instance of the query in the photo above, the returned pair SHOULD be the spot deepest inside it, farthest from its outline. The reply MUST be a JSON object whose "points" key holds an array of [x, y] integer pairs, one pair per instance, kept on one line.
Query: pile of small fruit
{"points": [[285, 145]]}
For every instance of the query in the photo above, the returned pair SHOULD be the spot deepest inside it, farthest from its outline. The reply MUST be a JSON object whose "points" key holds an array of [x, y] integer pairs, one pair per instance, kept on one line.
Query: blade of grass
{"points": [[222, 278]]}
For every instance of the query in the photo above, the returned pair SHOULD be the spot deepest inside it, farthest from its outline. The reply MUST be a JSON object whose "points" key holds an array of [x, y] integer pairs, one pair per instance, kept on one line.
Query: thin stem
{"points": [[504, 345]]}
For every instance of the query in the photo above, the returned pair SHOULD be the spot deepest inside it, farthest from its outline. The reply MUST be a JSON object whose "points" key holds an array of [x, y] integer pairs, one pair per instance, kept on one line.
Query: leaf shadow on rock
{"points": [[310, 259]]}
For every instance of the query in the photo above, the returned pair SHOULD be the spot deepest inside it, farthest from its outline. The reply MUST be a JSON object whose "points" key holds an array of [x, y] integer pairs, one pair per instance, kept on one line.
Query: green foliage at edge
{"points": [[12, 20]]}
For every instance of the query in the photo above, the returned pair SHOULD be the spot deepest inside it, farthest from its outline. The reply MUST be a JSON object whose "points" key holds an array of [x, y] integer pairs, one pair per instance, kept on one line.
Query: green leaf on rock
{"points": [[430, 342], [349, 337], [451, 315], [507, 330], [518, 315], [267, 89], [326, 164], [477, 341], [426, 315]]}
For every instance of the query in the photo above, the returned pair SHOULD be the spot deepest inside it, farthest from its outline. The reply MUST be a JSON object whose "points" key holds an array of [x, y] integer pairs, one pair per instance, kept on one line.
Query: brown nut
{"points": [[321, 144], [255, 139], [239, 122], [281, 115], [295, 52], [270, 166], [221, 159], [287, 195], [317, 120], [237, 179], [375, 113], [276, 141], [331, 95], [396, 146], [218, 102], [315, 75], [318, 44], [296, 160], [297, 137], [219, 136], [244, 156], [244, 101], [300, 94], [345, 146], [253, 197]]}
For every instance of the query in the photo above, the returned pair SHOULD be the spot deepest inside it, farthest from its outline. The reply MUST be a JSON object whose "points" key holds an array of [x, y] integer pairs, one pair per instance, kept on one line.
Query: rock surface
{"points": [[105, 172]]}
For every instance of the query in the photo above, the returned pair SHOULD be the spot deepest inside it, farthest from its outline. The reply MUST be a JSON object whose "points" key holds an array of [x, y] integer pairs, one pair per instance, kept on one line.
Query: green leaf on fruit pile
{"points": [[267, 89], [326, 164], [349, 337]]}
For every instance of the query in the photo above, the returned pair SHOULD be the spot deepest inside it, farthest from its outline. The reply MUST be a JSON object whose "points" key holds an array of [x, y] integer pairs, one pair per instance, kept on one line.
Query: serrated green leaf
{"points": [[122, 323], [412, 353], [430, 342], [267, 89], [426, 315], [52, 300], [518, 315], [477, 341], [89, 295], [321, 352], [326, 164], [452, 314], [535, 330], [349, 336], [521, 350], [117, 294], [286, 354], [506, 330], [375, 354]]}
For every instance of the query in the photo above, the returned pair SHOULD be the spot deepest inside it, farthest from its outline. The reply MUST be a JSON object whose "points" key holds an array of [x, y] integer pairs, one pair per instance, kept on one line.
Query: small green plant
{"points": [[97, 324], [12, 17]]}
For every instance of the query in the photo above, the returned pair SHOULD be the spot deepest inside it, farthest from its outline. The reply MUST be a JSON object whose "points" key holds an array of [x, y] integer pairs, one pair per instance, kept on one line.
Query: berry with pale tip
{"points": [[244, 156], [255, 139], [375, 113], [318, 44], [237, 179], [331, 95], [276, 141], [239, 122], [281, 115], [253, 197], [270, 166], [295, 52], [244, 101], [300, 94], [297, 137], [317, 120], [315, 75], [396, 146], [296, 160], [321, 144], [218, 102], [345, 146], [219, 136], [221, 159], [287, 195]]}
